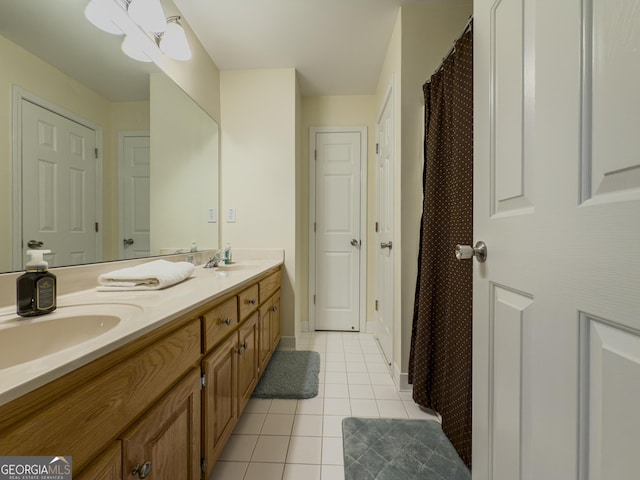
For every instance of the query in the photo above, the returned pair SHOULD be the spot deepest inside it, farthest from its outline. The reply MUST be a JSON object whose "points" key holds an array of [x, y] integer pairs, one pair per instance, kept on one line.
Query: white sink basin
{"points": [[30, 338]]}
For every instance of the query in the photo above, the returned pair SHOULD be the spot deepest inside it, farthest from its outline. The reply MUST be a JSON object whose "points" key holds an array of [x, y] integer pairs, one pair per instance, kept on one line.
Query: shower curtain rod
{"points": [[453, 47]]}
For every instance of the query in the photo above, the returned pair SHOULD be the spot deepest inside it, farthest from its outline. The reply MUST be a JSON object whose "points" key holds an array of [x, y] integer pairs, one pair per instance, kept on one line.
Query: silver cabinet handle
{"points": [[251, 301], [142, 471], [465, 252], [127, 241], [33, 244], [386, 245], [227, 321]]}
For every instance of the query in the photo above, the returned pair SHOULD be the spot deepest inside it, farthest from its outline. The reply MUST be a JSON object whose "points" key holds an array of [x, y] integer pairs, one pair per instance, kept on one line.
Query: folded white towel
{"points": [[148, 276]]}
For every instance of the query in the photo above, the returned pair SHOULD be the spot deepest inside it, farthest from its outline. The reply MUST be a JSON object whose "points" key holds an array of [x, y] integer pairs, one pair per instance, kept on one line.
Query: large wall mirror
{"points": [[150, 188]]}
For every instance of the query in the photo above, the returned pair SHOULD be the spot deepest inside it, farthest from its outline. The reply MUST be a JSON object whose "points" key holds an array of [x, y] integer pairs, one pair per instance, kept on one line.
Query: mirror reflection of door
{"points": [[59, 178], [134, 194]]}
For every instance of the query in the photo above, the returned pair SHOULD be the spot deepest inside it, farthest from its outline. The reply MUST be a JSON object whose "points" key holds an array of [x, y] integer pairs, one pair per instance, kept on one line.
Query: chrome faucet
{"points": [[216, 260]]}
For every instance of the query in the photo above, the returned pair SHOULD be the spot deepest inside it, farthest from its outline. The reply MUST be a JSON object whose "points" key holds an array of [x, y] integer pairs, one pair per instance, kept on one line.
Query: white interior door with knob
{"points": [[556, 334], [134, 195], [60, 181], [384, 228], [339, 158]]}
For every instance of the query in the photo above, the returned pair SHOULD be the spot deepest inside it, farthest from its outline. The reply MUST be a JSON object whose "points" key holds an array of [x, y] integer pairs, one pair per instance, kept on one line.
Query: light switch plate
{"points": [[231, 215], [212, 215]]}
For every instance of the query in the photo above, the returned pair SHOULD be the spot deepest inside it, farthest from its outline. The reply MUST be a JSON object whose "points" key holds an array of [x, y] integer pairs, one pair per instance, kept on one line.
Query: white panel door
{"points": [[58, 186], [134, 195], [556, 314], [338, 236], [384, 227]]}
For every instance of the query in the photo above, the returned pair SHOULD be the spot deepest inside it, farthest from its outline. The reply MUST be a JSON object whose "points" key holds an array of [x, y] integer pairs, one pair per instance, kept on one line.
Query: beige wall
{"points": [[198, 77], [428, 32], [258, 168], [184, 170], [339, 111]]}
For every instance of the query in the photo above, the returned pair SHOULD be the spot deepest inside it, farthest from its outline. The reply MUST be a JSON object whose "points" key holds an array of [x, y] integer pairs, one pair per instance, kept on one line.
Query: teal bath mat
{"points": [[396, 449], [290, 375]]}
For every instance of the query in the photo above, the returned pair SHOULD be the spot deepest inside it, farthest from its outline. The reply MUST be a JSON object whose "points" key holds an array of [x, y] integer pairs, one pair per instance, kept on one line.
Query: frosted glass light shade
{"points": [[148, 14], [174, 41], [134, 50], [101, 18]]}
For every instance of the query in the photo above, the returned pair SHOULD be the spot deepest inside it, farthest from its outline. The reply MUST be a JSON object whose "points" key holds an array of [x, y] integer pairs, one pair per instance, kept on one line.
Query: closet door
{"points": [[557, 201]]}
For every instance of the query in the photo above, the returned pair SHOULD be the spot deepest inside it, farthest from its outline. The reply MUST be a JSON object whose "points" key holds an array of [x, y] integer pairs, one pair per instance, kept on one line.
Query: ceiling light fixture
{"points": [[144, 25], [173, 42], [148, 14]]}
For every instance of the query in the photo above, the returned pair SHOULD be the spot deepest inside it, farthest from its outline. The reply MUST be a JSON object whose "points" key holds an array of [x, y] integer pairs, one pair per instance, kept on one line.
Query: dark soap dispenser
{"points": [[36, 288]]}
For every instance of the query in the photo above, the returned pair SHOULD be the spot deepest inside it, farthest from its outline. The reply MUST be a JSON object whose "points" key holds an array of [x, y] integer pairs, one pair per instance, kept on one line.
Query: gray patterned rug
{"points": [[396, 449], [290, 374]]}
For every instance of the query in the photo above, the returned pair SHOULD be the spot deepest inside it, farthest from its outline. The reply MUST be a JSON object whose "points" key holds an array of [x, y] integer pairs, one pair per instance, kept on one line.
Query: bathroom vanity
{"points": [[163, 398]]}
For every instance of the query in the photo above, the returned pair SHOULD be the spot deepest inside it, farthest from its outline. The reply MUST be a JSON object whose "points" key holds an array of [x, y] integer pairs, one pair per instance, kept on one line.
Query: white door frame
{"points": [[363, 221], [18, 94]]}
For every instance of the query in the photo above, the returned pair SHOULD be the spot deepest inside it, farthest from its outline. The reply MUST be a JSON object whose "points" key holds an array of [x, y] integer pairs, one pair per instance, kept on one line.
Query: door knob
{"points": [[464, 252], [355, 242], [34, 244], [127, 241], [386, 245]]}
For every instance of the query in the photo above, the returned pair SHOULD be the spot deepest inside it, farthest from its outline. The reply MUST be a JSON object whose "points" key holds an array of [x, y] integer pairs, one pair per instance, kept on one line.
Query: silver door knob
{"points": [[355, 243], [33, 244], [127, 241], [386, 245], [465, 252]]}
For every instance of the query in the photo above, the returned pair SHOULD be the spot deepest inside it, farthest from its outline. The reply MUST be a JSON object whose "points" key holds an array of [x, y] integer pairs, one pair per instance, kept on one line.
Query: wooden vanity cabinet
{"points": [[83, 412], [247, 360], [108, 466], [219, 398], [265, 336], [166, 441]]}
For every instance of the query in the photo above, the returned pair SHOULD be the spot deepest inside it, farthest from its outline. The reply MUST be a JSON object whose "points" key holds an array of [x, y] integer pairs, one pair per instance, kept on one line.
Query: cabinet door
{"points": [[275, 321], [166, 440], [108, 466], [220, 398], [247, 360], [265, 336]]}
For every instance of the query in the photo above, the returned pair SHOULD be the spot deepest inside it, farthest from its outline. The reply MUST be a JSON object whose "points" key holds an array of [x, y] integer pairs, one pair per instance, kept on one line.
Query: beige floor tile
{"points": [[277, 424], [306, 450], [228, 471], [264, 471], [271, 449], [239, 448], [294, 471]]}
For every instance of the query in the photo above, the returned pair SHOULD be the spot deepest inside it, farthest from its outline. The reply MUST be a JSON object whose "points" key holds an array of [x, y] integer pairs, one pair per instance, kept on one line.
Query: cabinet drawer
{"points": [[248, 301], [81, 422], [219, 322], [269, 285]]}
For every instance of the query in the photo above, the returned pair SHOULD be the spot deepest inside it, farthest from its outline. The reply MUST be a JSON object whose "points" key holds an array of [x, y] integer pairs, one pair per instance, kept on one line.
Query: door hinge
{"points": [[203, 381], [96, 152], [377, 148], [97, 227], [203, 466], [315, 155], [314, 299], [377, 227], [376, 305], [315, 225]]}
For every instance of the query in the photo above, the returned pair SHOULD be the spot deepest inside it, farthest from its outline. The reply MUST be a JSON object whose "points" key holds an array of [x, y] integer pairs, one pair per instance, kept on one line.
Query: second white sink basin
{"points": [[26, 339]]}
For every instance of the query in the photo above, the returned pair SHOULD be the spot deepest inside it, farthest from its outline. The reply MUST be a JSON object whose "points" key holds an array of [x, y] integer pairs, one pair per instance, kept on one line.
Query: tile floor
{"points": [[302, 439]]}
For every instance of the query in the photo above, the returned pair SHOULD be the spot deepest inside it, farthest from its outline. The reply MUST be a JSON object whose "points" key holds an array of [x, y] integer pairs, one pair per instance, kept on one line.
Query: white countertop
{"points": [[144, 311]]}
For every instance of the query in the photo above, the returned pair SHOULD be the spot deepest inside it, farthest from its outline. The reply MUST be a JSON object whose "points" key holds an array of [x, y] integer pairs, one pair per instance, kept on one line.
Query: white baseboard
{"points": [[401, 380], [370, 327], [304, 326]]}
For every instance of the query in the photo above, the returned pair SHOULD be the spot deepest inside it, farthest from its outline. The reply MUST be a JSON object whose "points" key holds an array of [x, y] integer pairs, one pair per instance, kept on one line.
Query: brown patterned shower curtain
{"points": [[440, 358]]}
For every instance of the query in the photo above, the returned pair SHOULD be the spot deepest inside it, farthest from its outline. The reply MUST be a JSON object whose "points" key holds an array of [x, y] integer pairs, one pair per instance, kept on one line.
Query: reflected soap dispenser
{"points": [[36, 289]]}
